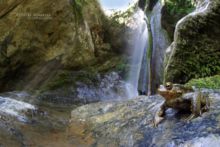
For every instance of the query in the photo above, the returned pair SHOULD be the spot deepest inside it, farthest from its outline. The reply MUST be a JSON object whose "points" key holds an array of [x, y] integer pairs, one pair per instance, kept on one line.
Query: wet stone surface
{"points": [[129, 123], [43, 126], [125, 123]]}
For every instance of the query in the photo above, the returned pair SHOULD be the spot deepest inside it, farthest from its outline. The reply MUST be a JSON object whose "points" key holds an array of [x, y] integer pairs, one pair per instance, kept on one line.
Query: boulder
{"points": [[195, 52]]}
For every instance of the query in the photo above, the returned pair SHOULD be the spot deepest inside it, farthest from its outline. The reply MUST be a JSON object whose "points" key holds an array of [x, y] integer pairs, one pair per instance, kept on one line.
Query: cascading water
{"points": [[160, 44], [149, 45], [139, 54]]}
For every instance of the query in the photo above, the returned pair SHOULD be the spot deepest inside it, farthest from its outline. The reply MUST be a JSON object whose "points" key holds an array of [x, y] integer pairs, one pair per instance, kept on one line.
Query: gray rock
{"points": [[129, 123]]}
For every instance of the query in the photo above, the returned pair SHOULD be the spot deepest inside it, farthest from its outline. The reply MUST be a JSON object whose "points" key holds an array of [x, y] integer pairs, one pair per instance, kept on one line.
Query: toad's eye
{"points": [[168, 86]]}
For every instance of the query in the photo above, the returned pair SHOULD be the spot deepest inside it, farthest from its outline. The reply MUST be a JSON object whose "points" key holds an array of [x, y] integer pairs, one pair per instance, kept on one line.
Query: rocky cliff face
{"points": [[39, 38], [195, 51]]}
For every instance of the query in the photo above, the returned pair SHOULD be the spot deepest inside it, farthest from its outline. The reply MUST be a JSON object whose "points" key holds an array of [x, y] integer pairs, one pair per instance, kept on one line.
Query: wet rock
{"points": [[15, 108], [10, 135], [129, 123], [42, 126]]}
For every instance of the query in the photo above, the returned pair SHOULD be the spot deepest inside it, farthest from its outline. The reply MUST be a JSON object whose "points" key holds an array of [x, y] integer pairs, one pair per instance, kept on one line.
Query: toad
{"points": [[181, 98]]}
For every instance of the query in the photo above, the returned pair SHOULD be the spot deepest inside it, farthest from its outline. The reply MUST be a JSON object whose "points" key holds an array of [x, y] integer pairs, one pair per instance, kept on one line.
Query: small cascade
{"points": [[139, 54]]}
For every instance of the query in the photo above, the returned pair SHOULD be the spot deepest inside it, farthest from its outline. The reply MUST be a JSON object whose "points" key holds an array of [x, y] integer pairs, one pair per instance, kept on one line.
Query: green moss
{"points": [[77, 10], [208, 82]]}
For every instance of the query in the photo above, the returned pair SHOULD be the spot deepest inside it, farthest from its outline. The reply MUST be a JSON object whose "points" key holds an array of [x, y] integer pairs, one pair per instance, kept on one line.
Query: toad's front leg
{"points": [[205, 102], [159, 116], [196, 103]]}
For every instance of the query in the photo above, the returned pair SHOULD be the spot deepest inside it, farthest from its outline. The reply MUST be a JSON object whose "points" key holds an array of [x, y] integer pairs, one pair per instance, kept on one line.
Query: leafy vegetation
{"points": [[121, 17], [77, 10], [208, 82], [179, 7], [173, 11]]}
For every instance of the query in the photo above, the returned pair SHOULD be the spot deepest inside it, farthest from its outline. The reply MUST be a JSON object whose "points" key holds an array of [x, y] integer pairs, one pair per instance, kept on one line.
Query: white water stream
{"points": [[139, 54], [14, 107]]}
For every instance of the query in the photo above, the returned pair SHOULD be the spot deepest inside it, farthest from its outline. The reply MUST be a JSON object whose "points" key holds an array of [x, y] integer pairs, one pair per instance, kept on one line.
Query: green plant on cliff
{"points": [[77, 10], [179, 7], [208, 82], [173, 11]]}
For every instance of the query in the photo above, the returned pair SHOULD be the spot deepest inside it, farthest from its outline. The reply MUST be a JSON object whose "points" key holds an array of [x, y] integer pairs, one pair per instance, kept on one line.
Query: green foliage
{"points": [[173, 11], [121, 17], [208, 82], [77, 10], [197, 60], [179, 7]]}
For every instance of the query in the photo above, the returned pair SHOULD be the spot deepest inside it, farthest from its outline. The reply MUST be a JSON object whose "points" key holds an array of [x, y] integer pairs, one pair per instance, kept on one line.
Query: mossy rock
{"points": [[195, 52]]}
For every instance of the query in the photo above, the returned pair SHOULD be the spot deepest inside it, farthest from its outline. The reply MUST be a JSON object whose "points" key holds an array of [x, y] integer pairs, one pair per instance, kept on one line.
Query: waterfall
{"points": [[160, 44], [139, 54], [148, 50]]}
